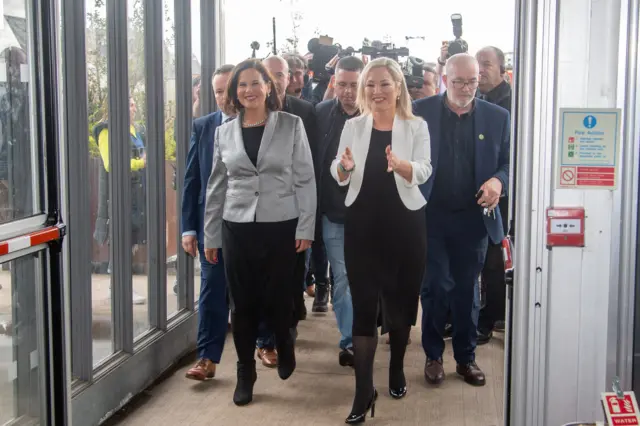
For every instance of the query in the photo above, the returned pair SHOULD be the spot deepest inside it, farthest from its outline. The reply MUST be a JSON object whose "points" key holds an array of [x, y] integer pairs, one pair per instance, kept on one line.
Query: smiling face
{"points": [[381, 91], [252, 89]]}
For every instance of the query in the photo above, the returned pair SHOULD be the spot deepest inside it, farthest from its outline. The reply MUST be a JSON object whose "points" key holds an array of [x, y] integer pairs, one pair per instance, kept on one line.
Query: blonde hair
{"points": [[403, 105]]}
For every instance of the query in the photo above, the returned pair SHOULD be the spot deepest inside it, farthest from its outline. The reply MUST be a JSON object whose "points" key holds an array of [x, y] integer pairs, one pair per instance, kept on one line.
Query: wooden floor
{"points": [[320, 392]]}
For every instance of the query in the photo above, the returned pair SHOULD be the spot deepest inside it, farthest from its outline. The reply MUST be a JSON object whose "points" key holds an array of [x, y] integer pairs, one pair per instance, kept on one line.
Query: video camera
{"points": [[458, 45], [323, 50], [412, 67]]}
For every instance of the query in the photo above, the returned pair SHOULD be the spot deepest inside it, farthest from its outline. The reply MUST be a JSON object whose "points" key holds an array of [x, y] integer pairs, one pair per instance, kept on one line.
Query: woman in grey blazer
{"points": [[260, 209], [384, 155]]}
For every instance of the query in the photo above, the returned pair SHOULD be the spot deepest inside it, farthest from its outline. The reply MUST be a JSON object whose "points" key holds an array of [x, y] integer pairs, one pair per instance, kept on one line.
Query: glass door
{"points": [[33, 382]]}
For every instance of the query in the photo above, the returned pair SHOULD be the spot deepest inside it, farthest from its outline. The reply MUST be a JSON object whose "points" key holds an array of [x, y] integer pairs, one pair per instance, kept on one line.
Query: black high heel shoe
{"points": [[397, 385], [359, 418]]}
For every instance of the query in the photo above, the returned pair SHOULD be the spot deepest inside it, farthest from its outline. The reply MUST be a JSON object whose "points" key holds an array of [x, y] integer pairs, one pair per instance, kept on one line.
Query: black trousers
{"points": [[260, 259]]}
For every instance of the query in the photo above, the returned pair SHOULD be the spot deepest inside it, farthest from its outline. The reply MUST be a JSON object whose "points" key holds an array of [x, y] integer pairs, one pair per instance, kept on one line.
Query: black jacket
{"points": [[501, 96], [304, 110]]}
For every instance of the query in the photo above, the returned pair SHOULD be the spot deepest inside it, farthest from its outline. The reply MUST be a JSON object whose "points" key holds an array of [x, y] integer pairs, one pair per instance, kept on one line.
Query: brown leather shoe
{"points": [[433, 371], [203, 370], [471, 373], [269, 357], [311, 290]]}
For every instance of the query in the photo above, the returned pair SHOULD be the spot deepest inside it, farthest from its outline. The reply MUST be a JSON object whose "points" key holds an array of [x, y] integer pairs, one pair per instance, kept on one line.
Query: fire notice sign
{"points": [[620, 411], [589, 148]]}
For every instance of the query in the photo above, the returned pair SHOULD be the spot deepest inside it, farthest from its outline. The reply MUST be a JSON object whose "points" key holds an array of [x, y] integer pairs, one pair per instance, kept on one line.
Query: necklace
{"points": [[256, 124]]}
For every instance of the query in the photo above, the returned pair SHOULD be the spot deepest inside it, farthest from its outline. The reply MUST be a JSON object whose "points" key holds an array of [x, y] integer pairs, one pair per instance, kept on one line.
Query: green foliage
{"points": [[97, 83], [170, 132]]}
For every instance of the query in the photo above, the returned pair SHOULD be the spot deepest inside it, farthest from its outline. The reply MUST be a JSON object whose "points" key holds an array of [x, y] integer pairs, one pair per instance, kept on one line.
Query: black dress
{"points": [[385, 248]]}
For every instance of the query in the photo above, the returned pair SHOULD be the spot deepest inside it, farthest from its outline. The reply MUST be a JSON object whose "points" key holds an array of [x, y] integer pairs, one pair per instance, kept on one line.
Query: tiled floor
{"points": [[320, 392]]}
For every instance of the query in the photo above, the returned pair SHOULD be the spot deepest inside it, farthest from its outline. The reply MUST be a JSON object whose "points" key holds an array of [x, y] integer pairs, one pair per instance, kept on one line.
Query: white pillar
{"points": [[573, 307]]}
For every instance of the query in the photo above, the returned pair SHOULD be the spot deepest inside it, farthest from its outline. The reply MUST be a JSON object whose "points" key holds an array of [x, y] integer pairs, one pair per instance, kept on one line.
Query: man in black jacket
{"points": [[494, 88], [332, 115]]}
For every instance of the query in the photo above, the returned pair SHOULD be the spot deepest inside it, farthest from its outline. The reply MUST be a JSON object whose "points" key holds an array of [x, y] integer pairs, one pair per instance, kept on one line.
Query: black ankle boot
{"points": [[247, 377], [286, 359], [321, 299]]}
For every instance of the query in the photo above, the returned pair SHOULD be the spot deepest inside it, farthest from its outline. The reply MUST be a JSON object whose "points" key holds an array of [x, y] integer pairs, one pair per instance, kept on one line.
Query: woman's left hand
{"points": [[401, 167], [392, 160], [302, 245]]}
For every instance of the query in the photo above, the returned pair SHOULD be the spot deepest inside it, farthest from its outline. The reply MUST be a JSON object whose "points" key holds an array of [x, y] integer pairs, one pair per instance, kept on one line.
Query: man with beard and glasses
{"points": [[470, 158]]}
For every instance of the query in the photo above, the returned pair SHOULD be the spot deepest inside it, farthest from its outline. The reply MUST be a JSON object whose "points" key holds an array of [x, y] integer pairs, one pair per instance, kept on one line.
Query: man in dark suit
{"points": [[214, 311], [470, 159], [279, 69]]}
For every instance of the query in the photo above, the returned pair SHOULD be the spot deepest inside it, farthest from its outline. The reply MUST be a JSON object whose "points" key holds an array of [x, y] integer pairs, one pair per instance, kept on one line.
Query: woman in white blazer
{"points": [[384, 155]]}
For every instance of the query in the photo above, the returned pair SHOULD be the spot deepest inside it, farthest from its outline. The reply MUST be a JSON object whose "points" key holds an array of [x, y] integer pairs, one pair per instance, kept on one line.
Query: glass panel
{"points": [[18, 196], [20, 340], [97, 91], [196, 49], [173, 224], [139, 180]]}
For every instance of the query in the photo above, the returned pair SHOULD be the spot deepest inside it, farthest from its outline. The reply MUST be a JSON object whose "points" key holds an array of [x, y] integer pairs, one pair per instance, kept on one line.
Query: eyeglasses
{"points": [[458, 84]]}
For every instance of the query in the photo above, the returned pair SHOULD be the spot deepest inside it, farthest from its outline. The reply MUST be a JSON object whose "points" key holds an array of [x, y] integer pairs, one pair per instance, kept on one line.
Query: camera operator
{"points": [[442, 60], [450, 48], [495, 89], [429, 86], [298, 86], [297, 71], [331, 115]]}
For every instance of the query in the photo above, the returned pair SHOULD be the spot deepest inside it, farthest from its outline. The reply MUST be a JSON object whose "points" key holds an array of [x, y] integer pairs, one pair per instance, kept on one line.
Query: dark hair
{"points": [[350, 63], [195, 81], [295, 61], [233, 103], [224, 69]]}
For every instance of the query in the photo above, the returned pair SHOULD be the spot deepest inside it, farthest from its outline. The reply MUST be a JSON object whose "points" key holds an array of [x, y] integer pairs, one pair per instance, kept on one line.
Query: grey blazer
{"points": [[282, 186]]}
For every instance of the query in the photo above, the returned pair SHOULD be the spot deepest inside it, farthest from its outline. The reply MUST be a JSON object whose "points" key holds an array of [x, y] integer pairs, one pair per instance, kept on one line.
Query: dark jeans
{"points": [[213, 312]]}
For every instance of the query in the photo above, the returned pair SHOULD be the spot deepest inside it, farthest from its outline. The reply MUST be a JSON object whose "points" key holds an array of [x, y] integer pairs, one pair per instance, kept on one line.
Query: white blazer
{"points": [[410, 141]]}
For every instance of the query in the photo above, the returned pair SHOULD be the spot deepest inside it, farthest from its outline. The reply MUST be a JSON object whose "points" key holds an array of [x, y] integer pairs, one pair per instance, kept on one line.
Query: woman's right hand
{"points": [[347, 160], [211, 254]]}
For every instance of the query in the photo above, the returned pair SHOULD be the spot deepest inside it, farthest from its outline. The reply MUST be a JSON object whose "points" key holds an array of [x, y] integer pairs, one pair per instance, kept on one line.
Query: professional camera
{"points": [[323, 50], [412, 67], [458, 45], [378, 49]]}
